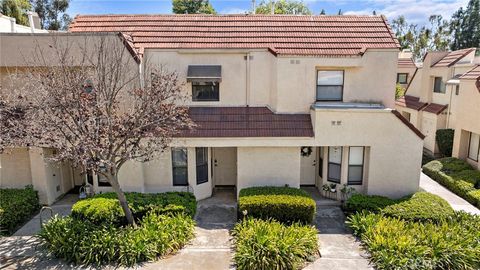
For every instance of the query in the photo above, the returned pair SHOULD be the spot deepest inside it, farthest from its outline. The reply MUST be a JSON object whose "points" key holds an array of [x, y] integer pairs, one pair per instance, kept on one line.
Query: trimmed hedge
{"points": [[105, 208], [283, 204], [269, 244], [444, 138], [16, 207], [372, 203], [82, 242], [393, 243], [456, 175], [421, 206]]}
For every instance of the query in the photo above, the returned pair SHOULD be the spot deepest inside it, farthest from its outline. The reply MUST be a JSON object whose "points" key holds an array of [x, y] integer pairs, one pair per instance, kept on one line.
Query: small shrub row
{"points": [[372, 203], [16, 207], [283, 204], [393, 243], [83, 242], [421, 206], [105, 208], [268, 244], [456, 175]]}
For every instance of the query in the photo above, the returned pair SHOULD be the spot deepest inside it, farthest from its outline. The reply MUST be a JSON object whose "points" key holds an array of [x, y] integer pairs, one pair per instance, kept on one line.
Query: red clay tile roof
{"points": [[246, 122], [408, 124], [406, 63], [473, 74], [410, 102], [453, 57], [435, 108], [281, 34]]}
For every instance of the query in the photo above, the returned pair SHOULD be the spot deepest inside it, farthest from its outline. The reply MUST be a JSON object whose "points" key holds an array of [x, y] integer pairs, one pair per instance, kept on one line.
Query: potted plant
{"points": [[325, 189], [333, 188], [346, 192]]}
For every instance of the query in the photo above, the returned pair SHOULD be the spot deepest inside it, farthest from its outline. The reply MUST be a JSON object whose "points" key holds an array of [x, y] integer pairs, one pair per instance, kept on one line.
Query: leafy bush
{"points": [[16, 207], [471, 176], [421, 206], [373, 203], [252, 191], [282, 204], [456, 175], [269, 244], [444, 138], [83, 242], [98, 210], [106, 208], [393, 243]]}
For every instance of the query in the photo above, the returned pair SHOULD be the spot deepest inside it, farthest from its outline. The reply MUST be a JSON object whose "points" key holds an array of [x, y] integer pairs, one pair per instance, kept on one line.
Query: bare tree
{"points": [[88, 101]]}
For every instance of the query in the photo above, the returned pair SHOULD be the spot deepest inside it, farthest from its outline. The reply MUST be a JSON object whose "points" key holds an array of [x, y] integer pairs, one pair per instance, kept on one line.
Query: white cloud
{"points": [[233, 10], [415, 11]]}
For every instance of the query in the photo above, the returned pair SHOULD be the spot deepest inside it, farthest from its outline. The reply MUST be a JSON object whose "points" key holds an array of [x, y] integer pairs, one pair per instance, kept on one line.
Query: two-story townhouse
{"points": [[466, 143], [278, 100], [430, 101]]}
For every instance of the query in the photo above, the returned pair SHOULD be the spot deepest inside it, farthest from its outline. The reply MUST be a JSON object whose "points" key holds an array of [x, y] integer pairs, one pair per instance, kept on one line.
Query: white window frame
{"points": [[360, 182], [469, 154]]}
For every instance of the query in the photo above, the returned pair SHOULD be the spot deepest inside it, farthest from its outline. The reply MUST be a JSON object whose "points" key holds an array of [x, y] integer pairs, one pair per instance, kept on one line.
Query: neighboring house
{"points": [[467, 128], [430, 101], [278, 100], [27, 166], [406, 68], [9, 24]]}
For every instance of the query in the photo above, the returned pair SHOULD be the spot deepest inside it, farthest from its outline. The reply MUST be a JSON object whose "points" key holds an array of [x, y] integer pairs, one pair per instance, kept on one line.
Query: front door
{"points": [[225, 166], [307, 166]]}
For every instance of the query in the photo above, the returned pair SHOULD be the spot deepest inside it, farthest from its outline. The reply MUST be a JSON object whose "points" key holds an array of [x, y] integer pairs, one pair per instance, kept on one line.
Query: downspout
{"points": [[140, 73], [247, 79], [30, 21]]}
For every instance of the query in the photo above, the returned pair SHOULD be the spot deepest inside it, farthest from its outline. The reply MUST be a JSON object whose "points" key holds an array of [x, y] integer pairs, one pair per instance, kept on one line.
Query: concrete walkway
{"points": [[457, 203], [339, 250], [63, 208], [212, 248]]}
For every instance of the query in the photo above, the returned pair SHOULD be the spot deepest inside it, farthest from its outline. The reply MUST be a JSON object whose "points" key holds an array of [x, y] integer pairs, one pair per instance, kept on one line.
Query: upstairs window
{"points": [[474, 146], [438, 85], [330, 85], [205, 81], [402, 78], [205, 91]]}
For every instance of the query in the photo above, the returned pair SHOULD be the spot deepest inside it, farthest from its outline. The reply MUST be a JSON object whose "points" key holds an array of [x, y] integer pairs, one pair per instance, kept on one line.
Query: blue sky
{"points": [[416, 11]]}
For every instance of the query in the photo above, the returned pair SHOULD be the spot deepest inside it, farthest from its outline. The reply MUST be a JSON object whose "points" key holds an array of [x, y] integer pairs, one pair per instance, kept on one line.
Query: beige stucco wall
{"points": [[286, 84], [15, 168], [468, 119], [268, 166]]}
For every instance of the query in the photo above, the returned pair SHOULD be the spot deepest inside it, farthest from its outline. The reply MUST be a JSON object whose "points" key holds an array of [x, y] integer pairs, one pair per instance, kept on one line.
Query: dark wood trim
{"points": [[340, 164], [408, 124], [316, 84], [363, 167]]}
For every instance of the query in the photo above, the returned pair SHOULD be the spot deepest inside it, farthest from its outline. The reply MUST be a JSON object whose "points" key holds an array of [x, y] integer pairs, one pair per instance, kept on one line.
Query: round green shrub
{"points": [[83, 242], [421, 206], [267, 244], [99, 210], [452, 165]]}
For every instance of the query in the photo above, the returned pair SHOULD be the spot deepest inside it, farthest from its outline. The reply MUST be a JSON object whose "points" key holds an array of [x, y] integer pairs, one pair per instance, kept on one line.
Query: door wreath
{"points": [[306, 151]]}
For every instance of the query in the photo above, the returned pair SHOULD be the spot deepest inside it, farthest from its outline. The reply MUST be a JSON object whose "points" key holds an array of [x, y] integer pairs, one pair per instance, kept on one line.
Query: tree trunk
{"points": [[122, 199]]}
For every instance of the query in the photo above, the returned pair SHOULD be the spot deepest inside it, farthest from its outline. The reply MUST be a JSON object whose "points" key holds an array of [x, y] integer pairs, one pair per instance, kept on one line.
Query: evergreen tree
{"points": [[52, 13], [16, 9], [322, 12], [283, 7], [465, 26], [192, 7]]}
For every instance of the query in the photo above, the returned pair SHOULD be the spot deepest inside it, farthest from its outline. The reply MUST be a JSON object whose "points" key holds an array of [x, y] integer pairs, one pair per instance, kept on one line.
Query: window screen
{"points": [[330, 85], [355, 165], [334, 164]]}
